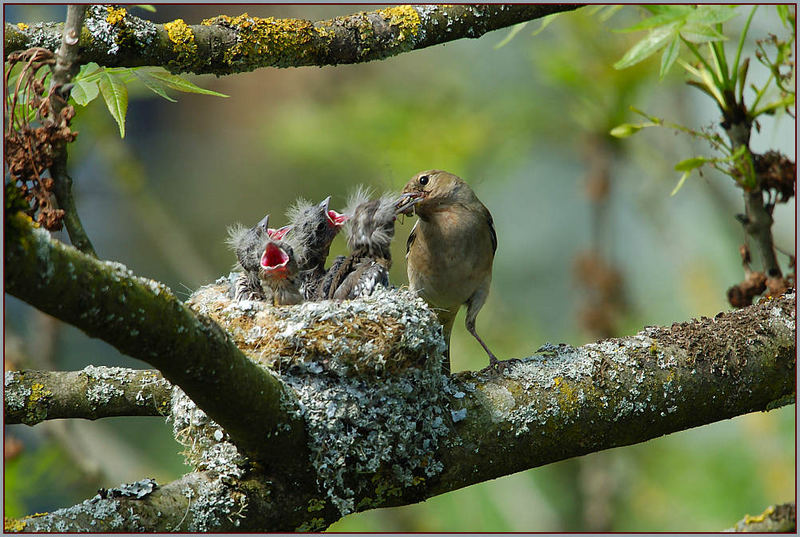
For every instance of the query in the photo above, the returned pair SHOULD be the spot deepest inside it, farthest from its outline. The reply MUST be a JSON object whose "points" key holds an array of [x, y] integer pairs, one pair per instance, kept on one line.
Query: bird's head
{"points": [[372, 225], [428, 191], [314, 226], [277, 261]]}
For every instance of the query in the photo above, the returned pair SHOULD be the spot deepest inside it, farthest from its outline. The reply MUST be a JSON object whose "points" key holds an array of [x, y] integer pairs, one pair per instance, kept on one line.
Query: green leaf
{"points": [[84, 92], [153, 85], [680, 183], [517, 28], [546, 20], [177, 83], [711, 14], [669, 56], [608, 11], [691, 164], [783, 13], [146, 7], [697, 33], [628, 129], [679, 14], [115, 94], [647, 46]]}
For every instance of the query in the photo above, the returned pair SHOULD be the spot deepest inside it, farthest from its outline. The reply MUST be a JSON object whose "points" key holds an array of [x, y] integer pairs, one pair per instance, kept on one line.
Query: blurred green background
{"points": [[590, 245]]}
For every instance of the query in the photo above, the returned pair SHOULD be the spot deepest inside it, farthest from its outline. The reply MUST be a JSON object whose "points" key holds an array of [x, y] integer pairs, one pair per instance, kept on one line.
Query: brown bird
{"points": [[450, 249]]}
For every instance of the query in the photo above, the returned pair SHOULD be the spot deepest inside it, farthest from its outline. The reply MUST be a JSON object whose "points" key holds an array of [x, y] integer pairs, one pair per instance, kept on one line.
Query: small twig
{"points": [[64, 70]]}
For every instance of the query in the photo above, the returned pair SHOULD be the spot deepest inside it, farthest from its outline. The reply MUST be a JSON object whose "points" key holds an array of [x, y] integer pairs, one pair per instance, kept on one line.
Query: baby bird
{"points": [[313, 229], [369, 236], [249, 245], [279, 274], [450, 249]]}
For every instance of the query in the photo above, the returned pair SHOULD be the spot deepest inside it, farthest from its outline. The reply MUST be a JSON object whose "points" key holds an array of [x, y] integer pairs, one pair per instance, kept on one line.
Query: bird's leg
{"points": [[474, 304]]}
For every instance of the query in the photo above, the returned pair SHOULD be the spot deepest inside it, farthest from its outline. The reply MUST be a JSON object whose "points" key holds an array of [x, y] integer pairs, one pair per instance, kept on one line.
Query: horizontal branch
{"points": [[775, 519], [144, 319], [95, 392], [560, 403], [224, 45]]}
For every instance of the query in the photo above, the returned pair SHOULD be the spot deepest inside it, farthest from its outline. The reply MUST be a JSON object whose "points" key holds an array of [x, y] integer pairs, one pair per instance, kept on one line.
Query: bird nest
{"points": [[382, 334]]}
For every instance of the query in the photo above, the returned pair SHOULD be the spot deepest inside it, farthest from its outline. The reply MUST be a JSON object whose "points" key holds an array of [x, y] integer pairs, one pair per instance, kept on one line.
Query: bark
{"points": [[225, 45], [560, 403], [775, 519], [65, 69], [95, 392], [144, 319]]}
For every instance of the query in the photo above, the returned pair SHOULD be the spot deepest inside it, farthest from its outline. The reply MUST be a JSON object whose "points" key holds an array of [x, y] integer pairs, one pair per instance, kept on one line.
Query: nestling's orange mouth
{"points": [[275, 260]]}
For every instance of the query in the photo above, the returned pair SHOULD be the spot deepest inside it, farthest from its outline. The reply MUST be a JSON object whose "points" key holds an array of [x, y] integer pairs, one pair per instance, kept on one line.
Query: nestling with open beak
{"points": [[369, 236], [313, 229], [279, 275], [249, 245], [450, 249]]}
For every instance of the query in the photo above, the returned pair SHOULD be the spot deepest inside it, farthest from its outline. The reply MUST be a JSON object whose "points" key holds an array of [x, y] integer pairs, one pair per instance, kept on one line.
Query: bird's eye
{"points": [[424, 180]]}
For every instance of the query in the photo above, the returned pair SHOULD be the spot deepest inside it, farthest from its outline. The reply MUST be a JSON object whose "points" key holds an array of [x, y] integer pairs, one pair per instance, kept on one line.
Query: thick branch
{"points": [[95, 392], [143, 319], [562, 402], [226, 45]]}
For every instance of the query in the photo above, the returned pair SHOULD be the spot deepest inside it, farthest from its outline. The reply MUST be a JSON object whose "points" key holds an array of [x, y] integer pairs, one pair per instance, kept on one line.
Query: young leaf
{"points": [[679, 14], [647, 46], [546, 20], [680, 183], [517, 28], [628, 129], [146, 7], [711, 14], [691, 163], [783, 13], [669, 56], [115, 94], [153, 85], [177, 83], [84, 92]]}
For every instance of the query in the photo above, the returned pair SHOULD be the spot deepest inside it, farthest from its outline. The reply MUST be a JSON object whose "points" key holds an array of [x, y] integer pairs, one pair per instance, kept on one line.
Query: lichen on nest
{"points": [[369, 384]]}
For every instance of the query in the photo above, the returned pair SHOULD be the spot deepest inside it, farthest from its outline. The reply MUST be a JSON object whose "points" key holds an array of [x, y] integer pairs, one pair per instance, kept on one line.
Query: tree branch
{"points": [[65, 69], [225, 45], [775, 519], [142, 318], [95, 392], [562, 402]]}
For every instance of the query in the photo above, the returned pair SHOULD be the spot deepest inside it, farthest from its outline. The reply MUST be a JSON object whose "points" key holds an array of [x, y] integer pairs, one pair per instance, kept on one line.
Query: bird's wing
{"points": [[413, 235], [492, 231]]}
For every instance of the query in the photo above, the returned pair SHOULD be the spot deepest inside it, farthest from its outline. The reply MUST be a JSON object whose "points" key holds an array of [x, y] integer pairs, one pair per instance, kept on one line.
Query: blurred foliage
{"points": [[514, 122]]}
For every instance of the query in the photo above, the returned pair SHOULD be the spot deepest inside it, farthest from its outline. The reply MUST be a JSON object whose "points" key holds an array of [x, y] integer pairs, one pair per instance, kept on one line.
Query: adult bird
{"points": [[450, 249]]}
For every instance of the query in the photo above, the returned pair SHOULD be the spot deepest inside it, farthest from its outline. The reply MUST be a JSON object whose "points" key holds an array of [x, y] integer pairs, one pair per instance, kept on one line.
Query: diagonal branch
{"points": [[225, 45], [95, 392], [142, 318]]}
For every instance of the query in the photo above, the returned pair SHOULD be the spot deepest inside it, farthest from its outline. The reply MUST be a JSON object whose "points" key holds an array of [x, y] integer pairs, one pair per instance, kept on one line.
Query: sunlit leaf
{"points": [[647, 46], [691, 164], [697, 33], [669, 56], [711, 14], [680, 183], [146, 7], [84, 92], [517, 28], [115, 94], [658, 20], [177, 83], [546, 20], [783, 13], [628, 129], [153, 85]]}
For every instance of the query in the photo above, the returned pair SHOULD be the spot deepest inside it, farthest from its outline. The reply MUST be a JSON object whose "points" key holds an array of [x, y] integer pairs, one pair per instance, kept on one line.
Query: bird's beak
{"points": [[274, 261], [334, 219], [405, 203], [278, 234], [264, 224]]}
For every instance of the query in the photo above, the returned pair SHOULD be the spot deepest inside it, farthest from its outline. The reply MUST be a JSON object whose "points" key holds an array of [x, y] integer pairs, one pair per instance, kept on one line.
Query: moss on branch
{"points": [[223, 45]]}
